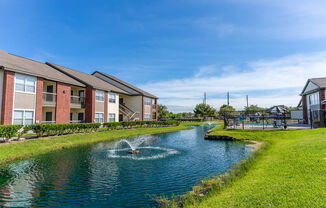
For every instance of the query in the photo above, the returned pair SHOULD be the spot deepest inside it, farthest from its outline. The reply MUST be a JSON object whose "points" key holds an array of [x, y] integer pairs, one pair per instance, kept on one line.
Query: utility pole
{"points": [[228, 98], [204, 101], [247, 100]]}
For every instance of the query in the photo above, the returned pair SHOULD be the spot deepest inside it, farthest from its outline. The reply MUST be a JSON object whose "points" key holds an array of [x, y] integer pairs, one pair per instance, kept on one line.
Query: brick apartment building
{"points": [[35, 92]]}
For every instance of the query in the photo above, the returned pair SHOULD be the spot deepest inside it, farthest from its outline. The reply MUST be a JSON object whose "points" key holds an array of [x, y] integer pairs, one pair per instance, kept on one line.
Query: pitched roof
{"points": [[27, 66], [321, 82], [87, 79], [140, 91]]}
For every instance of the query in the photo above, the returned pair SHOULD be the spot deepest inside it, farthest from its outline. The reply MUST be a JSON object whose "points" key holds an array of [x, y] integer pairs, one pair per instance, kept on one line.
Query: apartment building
{"points": [[313, 101], [35, 92], [137, 104]]}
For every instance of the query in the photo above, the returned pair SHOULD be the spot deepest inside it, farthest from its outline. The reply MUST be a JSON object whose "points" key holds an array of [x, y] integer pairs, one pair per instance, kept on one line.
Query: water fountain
{"points": [[139, 149]]}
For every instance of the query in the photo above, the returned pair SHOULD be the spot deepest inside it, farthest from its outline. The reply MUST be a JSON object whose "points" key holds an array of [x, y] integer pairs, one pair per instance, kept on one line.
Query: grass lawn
{"points": [[290, 172], [30, 148]]}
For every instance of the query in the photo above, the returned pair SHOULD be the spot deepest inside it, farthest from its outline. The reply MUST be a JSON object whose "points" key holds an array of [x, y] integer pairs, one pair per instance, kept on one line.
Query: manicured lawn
{"points": [[30, 148], [290, 172]]}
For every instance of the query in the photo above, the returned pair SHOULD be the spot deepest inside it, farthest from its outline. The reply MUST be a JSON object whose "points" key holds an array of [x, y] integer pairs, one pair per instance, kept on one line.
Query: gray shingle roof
{"points": [[87, 79], [27, 66], [140, 91]]}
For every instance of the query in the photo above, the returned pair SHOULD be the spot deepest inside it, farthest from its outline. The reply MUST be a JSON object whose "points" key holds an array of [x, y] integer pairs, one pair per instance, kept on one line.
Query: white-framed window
{"points": [[25, 83], [314, 99], [24, 117], [111, 117], [99, 117], [99, 96], [147, 117], [112, 98], [148, 101]]}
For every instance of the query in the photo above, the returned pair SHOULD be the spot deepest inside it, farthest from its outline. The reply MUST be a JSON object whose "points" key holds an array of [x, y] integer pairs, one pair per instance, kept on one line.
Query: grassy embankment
{"points": [[289, 172], [197, 123], [30, 148]]}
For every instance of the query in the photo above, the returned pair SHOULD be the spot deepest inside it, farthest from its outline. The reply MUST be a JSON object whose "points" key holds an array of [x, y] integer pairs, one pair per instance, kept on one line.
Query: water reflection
{"points": [[88, 176]]}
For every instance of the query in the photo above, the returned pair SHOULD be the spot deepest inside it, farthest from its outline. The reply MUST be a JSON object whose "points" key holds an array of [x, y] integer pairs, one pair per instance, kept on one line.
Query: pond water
{"points": [[105, 174]]}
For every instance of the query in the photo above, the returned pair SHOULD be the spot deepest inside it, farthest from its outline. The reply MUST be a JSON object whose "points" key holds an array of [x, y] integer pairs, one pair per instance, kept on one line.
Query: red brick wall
{"points": [[322, 98], [143, 108], [90, 105], [106, 106], [63, 103], [39, 96], [7, 97], [305, 110], [156, 113]]}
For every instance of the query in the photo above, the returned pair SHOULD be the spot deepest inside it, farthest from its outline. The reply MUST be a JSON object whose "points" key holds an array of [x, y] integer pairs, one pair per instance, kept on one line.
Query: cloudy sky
{"points": [[178, 50]]}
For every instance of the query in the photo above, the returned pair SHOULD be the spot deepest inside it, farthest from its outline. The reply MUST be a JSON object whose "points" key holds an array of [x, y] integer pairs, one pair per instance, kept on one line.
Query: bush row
{"points": [[133, 124], [9, 131], [59, 129]]}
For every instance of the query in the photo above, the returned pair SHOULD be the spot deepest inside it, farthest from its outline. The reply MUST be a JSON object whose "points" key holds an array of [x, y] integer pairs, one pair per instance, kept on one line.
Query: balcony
{"points": [[77, 102], [49, 99]]}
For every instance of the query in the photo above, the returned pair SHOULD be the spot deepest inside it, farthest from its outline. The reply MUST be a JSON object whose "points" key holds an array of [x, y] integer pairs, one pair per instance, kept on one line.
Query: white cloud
{"points": [[259, 78]]}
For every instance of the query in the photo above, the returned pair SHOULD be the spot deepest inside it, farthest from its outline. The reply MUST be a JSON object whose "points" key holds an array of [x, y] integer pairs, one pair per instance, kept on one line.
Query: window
{"points": [[314, 98], [112, 98], [99, 117], [111, 117], [25, 83], [23, 117], [148, 101], [147, 116], [99, 95]]}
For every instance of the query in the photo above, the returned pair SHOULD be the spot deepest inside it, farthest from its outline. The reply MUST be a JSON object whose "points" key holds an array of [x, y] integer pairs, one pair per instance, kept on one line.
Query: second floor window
{"points": [[148, 101], [112, 98], [25, 83], [99, 95]]}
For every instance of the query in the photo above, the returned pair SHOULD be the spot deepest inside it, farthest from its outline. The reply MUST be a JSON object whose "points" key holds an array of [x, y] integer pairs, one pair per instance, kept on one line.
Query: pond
{"points": [[105, 174]]}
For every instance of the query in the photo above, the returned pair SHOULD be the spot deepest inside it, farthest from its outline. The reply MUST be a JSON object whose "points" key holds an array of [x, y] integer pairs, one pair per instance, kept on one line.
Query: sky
{"points": [[179, 49]]}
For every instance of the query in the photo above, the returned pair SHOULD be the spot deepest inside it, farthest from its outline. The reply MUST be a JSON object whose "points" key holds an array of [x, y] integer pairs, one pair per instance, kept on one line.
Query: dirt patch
{"points": [[255, 144]]}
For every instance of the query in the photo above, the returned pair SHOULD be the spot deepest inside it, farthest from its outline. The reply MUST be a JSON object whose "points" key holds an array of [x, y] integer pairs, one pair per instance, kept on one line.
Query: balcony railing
{"points": [[49, 99], [76, 121], [77, 101], [45, 122]]}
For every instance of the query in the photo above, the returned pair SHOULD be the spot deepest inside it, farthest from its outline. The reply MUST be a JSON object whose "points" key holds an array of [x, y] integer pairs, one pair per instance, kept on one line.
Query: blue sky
{"points": [[179, 49]]}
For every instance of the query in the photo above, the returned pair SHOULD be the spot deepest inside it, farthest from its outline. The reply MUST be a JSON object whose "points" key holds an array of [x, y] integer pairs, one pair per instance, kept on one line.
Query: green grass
{"points": [[289, 172], [30, 148]]}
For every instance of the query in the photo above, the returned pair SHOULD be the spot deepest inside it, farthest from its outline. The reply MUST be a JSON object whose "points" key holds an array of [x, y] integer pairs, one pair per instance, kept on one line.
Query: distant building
{"points": [[313, 101]]}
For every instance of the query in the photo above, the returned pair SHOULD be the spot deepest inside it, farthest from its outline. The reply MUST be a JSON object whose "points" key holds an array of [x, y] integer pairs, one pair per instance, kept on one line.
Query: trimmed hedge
{"points": [[9, 131], [59, 129], [139, 124]]}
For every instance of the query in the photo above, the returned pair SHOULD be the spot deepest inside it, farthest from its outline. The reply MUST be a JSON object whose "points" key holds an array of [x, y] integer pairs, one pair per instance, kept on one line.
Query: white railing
{"points": [[77, 101], [49, 98]]}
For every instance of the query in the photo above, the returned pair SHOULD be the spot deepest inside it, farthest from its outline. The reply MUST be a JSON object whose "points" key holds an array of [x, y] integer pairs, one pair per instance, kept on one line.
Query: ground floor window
{"points": [[99, 117], [147, 116], [111, 117], [24, 117]]}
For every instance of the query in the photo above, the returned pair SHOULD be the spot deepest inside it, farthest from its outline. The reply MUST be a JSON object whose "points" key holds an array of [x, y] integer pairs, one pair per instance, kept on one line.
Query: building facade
{"points": [[35, 92], [313, 102]]}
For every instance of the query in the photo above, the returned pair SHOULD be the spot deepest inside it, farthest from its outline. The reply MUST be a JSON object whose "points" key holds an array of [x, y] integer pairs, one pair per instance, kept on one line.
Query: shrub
{"points": [[9, 131]]}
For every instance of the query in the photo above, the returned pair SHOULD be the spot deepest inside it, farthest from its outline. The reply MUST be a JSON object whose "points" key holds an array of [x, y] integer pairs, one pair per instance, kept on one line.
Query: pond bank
{"points": [[30, 148], [287, 171]]}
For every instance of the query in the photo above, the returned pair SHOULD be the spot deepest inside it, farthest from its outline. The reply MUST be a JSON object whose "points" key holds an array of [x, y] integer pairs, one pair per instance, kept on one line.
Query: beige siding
{"points": [[48, 109], [24, 101], [99, 107], [135, 103], [75, 113], [76, 90], [1, 88], [114, 108], [49, 83]]}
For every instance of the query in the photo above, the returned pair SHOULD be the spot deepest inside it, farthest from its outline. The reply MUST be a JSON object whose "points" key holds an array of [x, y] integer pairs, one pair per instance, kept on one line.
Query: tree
{"points": [[204, 110], [253, 109], [162, 111], [226, 108]]}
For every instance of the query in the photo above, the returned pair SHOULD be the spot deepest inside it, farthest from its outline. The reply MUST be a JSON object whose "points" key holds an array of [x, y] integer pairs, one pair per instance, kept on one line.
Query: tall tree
{"points": [[204, 110], [226, 108], [162, 111]]}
